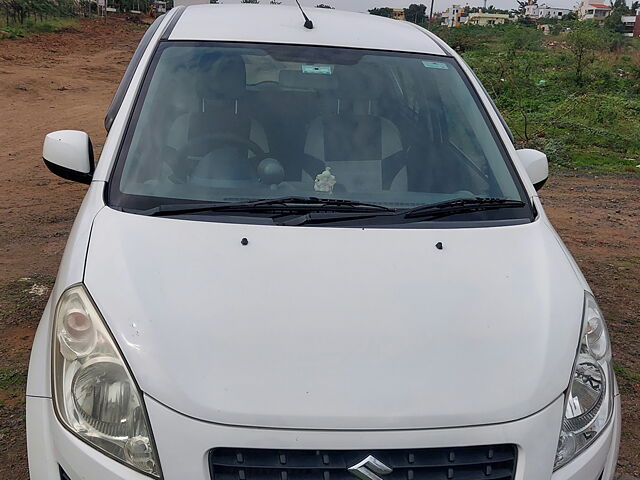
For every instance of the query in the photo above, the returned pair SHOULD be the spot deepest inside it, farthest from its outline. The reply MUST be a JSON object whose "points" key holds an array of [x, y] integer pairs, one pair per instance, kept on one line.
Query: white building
{"points": [[631, 24], [186, 3], [455, 15], [546, 11], [486, 19], [592, 10], [532, 10], [536, 11]]}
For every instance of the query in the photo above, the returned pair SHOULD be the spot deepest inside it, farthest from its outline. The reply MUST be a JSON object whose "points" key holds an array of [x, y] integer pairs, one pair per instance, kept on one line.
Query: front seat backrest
{"points": [[353, 139]]}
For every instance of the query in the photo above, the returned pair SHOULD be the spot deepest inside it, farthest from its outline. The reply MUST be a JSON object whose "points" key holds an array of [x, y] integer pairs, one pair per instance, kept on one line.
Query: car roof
{"points": [[284, 24]]}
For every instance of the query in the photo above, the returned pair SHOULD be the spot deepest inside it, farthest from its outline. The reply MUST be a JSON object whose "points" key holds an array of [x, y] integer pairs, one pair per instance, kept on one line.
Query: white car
{"points": [[310, 251]]}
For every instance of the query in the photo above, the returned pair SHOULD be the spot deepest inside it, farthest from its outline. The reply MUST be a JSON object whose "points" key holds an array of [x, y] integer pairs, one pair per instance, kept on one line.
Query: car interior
{"points": [[380, 124]]}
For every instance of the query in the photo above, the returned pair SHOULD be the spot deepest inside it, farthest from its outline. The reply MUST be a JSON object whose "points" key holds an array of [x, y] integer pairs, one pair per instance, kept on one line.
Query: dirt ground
{"points": [[66, 81]]}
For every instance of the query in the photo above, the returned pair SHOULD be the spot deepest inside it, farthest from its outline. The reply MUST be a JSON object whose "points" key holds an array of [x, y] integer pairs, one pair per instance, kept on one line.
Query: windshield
{"points": [[237, 123]]}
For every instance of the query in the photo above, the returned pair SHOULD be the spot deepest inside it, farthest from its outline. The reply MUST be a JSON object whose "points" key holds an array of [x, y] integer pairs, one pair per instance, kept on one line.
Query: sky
{"points": [[439, 5]]}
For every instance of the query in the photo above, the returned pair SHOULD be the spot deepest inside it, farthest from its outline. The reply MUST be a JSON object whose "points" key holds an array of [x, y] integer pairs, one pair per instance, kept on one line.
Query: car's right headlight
{"points": [[95, 396], [589, 401]]}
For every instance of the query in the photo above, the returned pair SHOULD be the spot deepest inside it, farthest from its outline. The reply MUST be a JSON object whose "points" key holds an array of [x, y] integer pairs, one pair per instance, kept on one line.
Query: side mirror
{"points": [[536, 165], [69, 154]]}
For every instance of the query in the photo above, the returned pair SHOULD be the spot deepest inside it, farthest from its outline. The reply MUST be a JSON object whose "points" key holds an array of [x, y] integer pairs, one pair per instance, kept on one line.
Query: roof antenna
{"points": [[307, 23]]}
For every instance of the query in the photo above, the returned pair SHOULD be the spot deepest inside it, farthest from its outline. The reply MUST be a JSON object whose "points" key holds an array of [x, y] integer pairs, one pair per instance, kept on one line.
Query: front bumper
{"points": [[183, 444]]}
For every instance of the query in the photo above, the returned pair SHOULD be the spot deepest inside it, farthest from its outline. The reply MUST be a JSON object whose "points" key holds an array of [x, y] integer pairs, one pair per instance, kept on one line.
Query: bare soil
{"points": [[66, 80]]}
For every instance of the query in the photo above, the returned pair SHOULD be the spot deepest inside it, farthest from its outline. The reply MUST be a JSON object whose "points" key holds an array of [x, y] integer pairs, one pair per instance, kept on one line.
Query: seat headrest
{"points": [[362, 81], [226, 78]]}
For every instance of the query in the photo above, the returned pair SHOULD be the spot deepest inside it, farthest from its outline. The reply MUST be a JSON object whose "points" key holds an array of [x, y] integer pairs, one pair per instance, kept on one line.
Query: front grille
{"points": [[460, 463]]}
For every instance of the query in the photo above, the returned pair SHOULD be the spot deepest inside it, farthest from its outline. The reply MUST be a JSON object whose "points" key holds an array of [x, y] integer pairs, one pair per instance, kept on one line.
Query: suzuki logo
{"points": [[370, 468]]}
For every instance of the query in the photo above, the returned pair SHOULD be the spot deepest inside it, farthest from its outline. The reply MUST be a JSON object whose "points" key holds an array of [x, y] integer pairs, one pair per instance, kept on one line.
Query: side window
{"points": [[118, 97]]}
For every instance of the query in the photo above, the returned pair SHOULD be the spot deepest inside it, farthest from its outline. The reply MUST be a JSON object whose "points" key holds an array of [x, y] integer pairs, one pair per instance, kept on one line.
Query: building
{"points": [[485, 19], [592, 10], [532, 10], [545, 11], [535, 11], [186, 3], [398, 14], [455, 15], [631, 25]]}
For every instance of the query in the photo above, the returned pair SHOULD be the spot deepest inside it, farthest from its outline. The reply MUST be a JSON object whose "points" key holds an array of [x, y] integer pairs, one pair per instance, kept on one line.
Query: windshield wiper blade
{"points": [[460, 205], [282, 203]]}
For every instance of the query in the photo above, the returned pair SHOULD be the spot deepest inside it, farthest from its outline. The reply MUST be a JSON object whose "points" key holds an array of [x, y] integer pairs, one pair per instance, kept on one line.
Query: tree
{"points": [[620, 6], [324, 5], [519, 38], [635, 8], [522, 4], [583, 40], [614, 22], [415, 13], [382, 12]]}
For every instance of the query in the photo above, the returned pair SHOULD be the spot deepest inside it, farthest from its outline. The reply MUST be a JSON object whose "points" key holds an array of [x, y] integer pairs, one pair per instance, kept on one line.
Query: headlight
{"points": [[589, 401], [94, 394]]}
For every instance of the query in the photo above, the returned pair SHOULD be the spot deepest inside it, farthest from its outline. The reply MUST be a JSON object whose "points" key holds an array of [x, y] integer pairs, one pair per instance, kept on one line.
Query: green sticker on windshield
{"points": [[438, 65], [318, 69]]}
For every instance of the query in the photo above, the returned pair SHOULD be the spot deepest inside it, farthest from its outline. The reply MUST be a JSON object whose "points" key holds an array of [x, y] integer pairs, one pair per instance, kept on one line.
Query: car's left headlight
{"points": [[589, 401], [95, 396]]}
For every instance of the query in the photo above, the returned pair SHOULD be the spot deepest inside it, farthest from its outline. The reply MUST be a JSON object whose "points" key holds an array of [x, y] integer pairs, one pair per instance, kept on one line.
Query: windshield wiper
{"points": [[266, 204], [433, 210], [460, 205]]}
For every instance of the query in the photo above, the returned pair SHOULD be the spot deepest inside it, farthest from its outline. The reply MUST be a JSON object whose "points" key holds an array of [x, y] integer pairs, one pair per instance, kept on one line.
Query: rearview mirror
{"points": [[69, 154], [536, 165]]}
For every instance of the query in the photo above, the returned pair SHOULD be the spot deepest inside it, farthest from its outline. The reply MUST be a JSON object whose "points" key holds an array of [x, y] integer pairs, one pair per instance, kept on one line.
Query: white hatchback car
{"points": [[313, 254]]}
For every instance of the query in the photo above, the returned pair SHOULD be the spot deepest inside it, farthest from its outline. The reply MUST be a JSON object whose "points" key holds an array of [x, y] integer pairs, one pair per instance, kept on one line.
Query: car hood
{"points": [[338, 328]]}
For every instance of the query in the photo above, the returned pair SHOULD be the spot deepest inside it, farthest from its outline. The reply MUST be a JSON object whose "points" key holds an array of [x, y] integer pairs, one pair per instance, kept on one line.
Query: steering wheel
{"points": [[209, 142]]}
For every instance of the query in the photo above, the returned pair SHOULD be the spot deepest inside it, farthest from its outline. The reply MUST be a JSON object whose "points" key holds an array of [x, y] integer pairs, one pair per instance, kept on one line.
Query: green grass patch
{"points": [[600, 162], [12, 379], [22, 301], [625, 373], [584, 115], [30, 27]]}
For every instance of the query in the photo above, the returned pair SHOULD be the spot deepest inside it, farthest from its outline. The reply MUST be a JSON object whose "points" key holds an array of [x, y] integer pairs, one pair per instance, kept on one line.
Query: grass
{"points": [[12, 379], [30, 27], [591, 124], [599, 162], [624, 372], [18, 305]]}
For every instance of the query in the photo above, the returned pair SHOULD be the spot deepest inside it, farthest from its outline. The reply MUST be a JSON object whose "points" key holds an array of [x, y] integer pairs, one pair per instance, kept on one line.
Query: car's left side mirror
{"points": [[536, 165], [69, 154]]}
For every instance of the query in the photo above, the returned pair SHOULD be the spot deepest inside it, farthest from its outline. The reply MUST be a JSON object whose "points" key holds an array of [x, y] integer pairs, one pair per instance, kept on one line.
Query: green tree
{"points": [[614, 22], [415, 13], [382, 12], [521, 6], [583, 41], [518, 38], [620, 6]]}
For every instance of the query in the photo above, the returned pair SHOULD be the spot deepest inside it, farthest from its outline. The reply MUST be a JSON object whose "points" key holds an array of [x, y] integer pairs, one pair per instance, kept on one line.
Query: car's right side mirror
{"points": [[69, 154], [536, 165]]}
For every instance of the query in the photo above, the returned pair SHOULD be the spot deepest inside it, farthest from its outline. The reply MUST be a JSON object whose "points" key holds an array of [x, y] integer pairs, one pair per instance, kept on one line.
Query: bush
{"points": [[575, 96]]}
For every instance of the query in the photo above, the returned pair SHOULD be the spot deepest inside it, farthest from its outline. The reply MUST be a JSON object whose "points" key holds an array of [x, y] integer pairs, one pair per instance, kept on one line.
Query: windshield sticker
{"points": [[324, 181], [318, 69], [438, 65]]}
